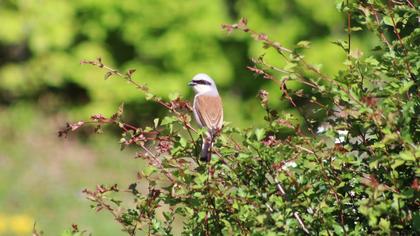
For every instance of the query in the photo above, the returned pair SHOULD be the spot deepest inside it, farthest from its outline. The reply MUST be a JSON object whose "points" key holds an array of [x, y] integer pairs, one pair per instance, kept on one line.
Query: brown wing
{"points": [[210, 111]]}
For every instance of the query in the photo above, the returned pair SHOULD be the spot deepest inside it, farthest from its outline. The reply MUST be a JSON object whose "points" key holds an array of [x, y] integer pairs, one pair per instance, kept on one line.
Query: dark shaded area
{"points": [[52, 99], [14, 53], [119, 49], [230, 6], [142, 113], [237, 53], [6, 97], [71, 94], [316, 29]]}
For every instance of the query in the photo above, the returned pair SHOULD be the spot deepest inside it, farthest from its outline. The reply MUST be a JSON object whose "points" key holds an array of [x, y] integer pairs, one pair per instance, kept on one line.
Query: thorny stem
{"points": [[128, 76], [102, 204], [346, 90], [158, 163], [261, 37]]}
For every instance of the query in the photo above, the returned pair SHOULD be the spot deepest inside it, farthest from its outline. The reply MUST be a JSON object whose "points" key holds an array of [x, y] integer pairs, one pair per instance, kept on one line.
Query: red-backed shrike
{"points": [[208, 110]]}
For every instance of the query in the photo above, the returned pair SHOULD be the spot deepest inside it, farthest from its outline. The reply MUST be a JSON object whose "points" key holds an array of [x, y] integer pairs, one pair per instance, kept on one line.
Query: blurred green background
{"points": [[42, 85]]}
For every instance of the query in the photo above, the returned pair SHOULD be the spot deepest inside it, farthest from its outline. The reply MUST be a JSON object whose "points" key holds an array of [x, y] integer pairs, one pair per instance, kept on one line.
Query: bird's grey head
{"points": [[202, 83]]}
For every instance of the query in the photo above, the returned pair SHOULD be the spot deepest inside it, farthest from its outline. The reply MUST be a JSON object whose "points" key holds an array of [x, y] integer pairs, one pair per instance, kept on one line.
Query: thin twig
{"points": [[158, 163], [295, 214]]}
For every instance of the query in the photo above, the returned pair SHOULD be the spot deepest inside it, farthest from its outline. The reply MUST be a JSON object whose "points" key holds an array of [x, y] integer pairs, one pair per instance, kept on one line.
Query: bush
{"points": [[355, 173]]}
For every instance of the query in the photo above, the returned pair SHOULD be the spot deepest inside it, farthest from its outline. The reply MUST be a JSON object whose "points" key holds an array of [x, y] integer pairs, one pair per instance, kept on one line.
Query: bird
{"points": [[207, 109]]}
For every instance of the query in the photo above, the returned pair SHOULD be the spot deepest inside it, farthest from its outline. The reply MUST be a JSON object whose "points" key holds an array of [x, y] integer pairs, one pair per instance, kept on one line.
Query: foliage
{"points": [[42, 84], [357, 173], [166, 42]]}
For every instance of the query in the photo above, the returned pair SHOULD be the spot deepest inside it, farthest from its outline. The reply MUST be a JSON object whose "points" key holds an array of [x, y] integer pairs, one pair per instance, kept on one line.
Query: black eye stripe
{"points": [[202, 82]]}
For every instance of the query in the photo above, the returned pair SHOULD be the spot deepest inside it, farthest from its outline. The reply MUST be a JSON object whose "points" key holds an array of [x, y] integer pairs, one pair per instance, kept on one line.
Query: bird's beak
{"points": [[191, 84]]}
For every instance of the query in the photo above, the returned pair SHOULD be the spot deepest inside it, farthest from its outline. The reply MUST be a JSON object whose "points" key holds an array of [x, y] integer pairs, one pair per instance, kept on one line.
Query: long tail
{"points": [[205, 154]]}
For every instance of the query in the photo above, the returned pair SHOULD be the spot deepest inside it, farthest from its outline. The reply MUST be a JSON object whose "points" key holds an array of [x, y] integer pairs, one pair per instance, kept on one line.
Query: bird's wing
{"points": [[209, 110]]}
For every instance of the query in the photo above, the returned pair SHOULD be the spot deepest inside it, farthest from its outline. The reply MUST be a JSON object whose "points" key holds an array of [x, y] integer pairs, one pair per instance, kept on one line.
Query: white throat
{"points": [[205, 90]]}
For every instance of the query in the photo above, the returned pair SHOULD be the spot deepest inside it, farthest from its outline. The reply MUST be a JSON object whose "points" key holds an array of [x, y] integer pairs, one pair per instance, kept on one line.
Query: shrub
{"points": [[354, 173]]}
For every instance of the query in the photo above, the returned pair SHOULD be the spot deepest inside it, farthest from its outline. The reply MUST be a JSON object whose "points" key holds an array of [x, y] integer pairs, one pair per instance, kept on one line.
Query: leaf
{"points": [[318, 67], [406, 86], [120, 110], [168, 120], [183, 142], [303, 44], [156, 122], [289, 66], [387, 21], [149, 170], [354, 29], [372, 61], [341, 43], [384, 224], [200, 179], [149, 96], [397, 162], [260, 134], [201, 215], [407, 155], [338, 229], [339, 5]]}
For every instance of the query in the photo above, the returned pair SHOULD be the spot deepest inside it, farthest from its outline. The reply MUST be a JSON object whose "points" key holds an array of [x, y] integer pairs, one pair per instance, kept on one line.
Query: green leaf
{"points": [[168, 120], [260, 134], [303, 44], [384, 224], [201, 216], [183, 142], [338, 229], [341, 43], [148, 170], [120, 110], [372, 61], [354, 29], [156, 122], [397, 162], [408, 156], [289, 66], [387, 20], [200, 179], [149, 96], [406, 86]]}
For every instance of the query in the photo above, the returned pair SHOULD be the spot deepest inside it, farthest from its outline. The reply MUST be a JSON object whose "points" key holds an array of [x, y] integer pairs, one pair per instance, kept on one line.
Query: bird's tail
{"points": [[205, 154]]}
